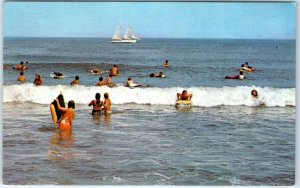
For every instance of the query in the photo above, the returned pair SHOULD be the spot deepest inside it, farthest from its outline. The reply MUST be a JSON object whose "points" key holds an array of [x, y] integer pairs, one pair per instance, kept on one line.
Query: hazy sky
{"points": [[151, 19]]}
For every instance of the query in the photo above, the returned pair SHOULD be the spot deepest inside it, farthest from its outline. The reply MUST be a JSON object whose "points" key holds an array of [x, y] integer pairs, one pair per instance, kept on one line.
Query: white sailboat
{"points": [[129, 37]]}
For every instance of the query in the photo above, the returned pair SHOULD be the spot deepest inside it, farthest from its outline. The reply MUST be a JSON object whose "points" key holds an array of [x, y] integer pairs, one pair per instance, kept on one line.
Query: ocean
{"points": [[226, 138]]}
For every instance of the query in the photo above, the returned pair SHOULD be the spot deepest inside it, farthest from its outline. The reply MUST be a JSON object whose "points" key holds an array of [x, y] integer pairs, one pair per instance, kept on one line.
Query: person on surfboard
{"points": [[184, 95]]}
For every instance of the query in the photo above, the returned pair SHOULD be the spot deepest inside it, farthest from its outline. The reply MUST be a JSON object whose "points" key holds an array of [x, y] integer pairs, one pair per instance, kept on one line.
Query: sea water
{"points": [[226, 138]]}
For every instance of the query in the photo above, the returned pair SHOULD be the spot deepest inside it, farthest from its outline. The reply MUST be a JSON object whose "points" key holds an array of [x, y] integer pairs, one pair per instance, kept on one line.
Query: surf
{"points": [[202, 96]]}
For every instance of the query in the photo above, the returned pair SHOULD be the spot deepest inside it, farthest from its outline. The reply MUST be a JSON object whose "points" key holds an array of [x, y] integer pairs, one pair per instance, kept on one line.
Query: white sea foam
{"points": [[202, 96]]}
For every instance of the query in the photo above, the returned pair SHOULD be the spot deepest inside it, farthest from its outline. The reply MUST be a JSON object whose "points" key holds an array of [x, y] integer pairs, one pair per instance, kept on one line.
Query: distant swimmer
{"points": [[254, 93], [65, 123], [114, 71], [166, 64], [249, 69], [184, 95], [21, 77], [21, 66], [76, 81], [159, 75], [101, 82], [97, 71], [241, 76], [108, 82], [107, 104], [38, 80], [97, 104], [57, 75]]}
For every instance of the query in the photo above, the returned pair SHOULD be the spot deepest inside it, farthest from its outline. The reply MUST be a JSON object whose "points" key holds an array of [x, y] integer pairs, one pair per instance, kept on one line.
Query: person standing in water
{"points": [[21, 77], [97, 104], [107, 104], [254, 93], [65, 123], [38, 80], [114, 71]]}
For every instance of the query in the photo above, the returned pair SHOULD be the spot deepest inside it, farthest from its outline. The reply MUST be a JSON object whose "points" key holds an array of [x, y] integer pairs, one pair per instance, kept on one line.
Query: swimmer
{"points": [[166, 64], [65, 123], [254, 93], [21, 66], [21, 77], [114, 71], [107, 104], [160, 75], [101, 82], [184, 95], [38, 80], [97, 104], [108, 81], [76, 81]]}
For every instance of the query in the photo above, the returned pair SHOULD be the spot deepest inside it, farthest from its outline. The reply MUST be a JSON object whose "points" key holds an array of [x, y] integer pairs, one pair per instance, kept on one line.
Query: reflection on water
{"points": [[97, 119], [61, 145]]}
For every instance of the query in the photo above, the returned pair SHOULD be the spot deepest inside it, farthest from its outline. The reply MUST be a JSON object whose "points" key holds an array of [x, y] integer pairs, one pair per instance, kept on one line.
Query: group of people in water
{"points": [[244, 68], [105, 106]]}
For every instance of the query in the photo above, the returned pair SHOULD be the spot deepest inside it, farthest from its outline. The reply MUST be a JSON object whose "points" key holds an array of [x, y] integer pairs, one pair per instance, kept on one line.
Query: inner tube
{"points": [[57, 75]]}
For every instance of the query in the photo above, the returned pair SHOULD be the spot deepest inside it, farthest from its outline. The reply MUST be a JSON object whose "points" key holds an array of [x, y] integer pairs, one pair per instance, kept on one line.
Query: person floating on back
{"points": [[107, 104], [38, 80], [21, 77], [184, 95], [114, 71], [76, 81], [97, 104], [159, 75], [65, 123]]}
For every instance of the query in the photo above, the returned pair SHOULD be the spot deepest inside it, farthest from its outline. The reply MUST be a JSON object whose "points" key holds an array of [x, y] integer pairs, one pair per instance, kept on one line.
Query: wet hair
{"points": [[241, 72], [161, 73], [246, 63], [184, 91], [21, 63], [71, 104], [26, 62], [166, 61], [106, 95], [129, 78], [98, 96], [242, 65], [254, 91], [76, 77], [21, 73], [115, 66], [100, 78]]}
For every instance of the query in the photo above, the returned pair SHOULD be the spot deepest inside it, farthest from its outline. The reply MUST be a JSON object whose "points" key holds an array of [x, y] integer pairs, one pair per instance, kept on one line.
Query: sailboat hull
{"points": [[124, 41]]}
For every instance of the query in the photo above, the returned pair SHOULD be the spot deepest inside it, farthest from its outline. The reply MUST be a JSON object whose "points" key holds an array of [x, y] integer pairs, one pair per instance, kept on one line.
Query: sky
{"points": [[233, 20]]}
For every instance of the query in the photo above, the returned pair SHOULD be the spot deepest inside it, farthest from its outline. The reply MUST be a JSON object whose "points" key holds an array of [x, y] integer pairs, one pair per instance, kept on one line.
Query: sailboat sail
{"points": [[129, 37], [117, 35]]}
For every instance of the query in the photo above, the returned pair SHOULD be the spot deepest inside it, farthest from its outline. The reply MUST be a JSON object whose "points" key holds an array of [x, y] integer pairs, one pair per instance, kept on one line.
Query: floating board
{"points": [[55, 76], [184, 103], [55, 112]]}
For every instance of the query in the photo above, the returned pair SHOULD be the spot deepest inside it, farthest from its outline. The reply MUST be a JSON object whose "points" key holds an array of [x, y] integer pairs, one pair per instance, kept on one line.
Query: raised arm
{"points": [[59, 107]]}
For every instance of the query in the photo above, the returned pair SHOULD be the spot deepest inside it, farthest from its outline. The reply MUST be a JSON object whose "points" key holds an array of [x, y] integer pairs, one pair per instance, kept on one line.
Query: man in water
{"points": [[184, 95], [101, 82], [166, 64], [107, 104], [160, 75], [21, 77], [21, 66], [76, 81], [114, 71], [108, 81]]}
